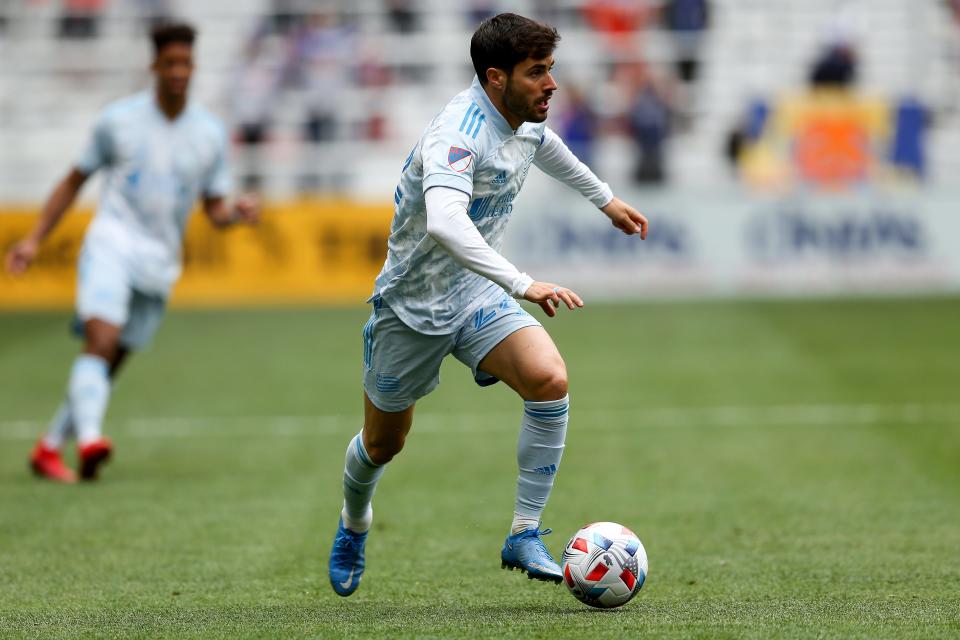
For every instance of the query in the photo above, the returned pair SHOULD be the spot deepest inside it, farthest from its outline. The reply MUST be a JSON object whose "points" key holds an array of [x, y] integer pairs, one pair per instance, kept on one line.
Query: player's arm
{"points": [[245, 209], [21, 254], [556, 160], [450, 227], [218, 183]]}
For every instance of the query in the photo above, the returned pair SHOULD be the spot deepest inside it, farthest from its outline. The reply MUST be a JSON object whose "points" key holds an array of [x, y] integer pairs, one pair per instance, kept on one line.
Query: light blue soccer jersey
{"points": [[469, 146], [155, 169]]}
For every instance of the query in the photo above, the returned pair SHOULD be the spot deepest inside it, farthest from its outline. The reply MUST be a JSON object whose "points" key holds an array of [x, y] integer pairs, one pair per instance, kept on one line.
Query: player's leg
{"points": [[89, 393], [528, 361], [513, 347], [381, 439], [113, 343], [400, 366], [46, 460]]}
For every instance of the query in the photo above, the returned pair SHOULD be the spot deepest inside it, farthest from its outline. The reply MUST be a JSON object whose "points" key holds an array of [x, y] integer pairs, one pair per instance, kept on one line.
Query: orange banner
{"points": [[301, 252]]}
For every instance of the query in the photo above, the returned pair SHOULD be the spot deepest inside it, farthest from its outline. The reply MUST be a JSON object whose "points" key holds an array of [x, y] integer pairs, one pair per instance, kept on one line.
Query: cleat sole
{"points": [[532, 576]]}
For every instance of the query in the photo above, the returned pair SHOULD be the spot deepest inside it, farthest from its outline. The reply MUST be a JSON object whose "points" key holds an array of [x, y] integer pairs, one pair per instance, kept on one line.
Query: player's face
{"points": [[173, 67], [529, 88]]}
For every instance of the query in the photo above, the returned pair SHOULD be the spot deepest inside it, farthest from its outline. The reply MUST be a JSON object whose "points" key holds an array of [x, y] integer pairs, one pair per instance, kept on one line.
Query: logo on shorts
{"points": [[459, 159], [387, 384]]}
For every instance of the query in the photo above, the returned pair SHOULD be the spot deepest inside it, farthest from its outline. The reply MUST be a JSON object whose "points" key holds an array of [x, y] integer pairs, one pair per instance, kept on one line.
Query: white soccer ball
{"points": [[604, 565]]}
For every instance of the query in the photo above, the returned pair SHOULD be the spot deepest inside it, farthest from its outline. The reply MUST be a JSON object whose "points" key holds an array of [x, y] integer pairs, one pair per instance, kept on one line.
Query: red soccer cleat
{"points": [[92, 455], [47, 463]]}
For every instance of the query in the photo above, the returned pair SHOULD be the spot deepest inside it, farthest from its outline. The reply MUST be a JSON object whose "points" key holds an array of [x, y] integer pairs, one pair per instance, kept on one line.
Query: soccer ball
{"points": [[604, 565]]}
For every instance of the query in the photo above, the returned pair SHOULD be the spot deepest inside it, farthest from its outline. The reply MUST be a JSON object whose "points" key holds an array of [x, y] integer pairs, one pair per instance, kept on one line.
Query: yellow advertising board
{"points": [[307, 251]]}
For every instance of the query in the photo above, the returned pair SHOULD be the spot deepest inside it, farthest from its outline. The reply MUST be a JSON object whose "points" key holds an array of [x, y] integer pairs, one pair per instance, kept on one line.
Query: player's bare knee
{"points": [[383, 449], [550, 384], [101, 346]]}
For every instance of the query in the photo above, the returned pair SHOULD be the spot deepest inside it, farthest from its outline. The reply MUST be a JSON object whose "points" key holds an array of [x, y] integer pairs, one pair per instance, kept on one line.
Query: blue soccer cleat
{"points": [[346, 560], [525, 551]]}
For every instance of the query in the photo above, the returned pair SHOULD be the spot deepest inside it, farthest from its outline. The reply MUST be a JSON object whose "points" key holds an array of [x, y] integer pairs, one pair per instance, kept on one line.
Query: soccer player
{"points": [[160, 153], [445, 288]]}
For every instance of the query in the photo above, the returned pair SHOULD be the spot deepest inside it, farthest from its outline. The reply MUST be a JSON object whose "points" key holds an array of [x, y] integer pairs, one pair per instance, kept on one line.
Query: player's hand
{"points": [[549, 296], [20, 255], [626, 218], [246, 209]]}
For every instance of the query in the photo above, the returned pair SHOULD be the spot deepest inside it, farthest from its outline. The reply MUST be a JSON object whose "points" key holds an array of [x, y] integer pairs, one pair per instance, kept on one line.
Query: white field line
{"points": [[812, 415]]}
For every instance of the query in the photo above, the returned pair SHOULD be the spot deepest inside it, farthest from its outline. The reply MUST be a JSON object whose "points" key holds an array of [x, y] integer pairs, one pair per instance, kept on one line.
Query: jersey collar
{"points": [[493, 116]]}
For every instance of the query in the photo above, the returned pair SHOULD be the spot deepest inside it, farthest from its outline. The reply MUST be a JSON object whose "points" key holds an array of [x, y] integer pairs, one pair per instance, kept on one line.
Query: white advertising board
{"points": [[731, 243]]}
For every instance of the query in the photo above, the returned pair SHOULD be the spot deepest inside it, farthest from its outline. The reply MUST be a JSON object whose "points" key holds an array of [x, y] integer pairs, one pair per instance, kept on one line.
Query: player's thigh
{"points": [[400, 365], [103, 289], [529, 362], [501, 341], [146, 312], [103, 303]]}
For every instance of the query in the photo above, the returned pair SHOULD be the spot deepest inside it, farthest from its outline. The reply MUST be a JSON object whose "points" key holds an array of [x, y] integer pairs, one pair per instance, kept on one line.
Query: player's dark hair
{"points": [[170, 33], [505, 40]]}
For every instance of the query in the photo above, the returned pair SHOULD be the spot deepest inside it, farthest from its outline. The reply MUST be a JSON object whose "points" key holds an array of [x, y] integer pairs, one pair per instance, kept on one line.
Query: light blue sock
{"points": [[542, 433], [60, 428], [89, 392], [360, 476]]}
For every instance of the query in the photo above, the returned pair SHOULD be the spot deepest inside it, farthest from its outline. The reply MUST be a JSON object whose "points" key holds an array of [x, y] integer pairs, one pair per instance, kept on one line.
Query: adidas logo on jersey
{"points": [[501, 178]]}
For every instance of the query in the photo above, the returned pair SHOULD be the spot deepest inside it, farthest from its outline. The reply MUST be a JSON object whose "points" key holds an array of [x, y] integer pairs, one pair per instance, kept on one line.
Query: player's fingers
{"points": [[575, 298], [643, 227], [14, 263], [565, 295], [555, 297], [627, 226], [548, 308]]}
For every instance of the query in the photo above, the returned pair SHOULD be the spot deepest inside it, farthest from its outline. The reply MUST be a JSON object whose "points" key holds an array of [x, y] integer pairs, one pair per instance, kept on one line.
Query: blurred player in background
{"points": [[160, 154], [445, 288]]}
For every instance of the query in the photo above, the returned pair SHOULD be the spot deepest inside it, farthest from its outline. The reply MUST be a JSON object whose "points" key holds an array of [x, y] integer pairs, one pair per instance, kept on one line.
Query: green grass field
{"points": [[793, 470]]}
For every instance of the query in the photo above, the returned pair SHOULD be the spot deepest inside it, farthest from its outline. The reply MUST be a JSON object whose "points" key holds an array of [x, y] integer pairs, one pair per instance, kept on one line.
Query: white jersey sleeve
{"points": [[450, 155], [218, 182], [450, 227], [99, 150], [556, 160]]}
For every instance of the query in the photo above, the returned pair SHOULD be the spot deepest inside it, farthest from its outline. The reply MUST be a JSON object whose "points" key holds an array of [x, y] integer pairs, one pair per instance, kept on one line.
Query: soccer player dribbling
{"points": [[160, 154], [444, 287]]}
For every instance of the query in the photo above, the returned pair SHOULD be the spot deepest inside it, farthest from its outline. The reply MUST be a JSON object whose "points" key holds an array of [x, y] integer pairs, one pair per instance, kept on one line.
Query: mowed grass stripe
{"points": [[608, 419]]}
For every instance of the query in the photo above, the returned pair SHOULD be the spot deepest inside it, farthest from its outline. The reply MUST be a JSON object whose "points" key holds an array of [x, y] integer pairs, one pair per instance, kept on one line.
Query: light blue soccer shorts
{"points": [[105, 291], [401, 365]]}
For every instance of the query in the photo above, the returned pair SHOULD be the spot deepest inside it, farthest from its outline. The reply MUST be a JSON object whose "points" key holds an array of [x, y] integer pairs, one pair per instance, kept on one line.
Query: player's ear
{"points": [[496, 77]]}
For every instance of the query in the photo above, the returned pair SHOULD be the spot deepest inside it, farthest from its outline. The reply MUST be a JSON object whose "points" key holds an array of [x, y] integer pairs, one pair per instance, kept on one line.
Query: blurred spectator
{"points": [[649, 123], [80, 19], [747, 131], [621, 21], [403, 18], [907, 149], [256, 84], [547, 11], [153, 13], [480, 10], [836, 67], [372, 74], [323, 51], [285, 15], [687, 20], [578, 124], [4, 11]]}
